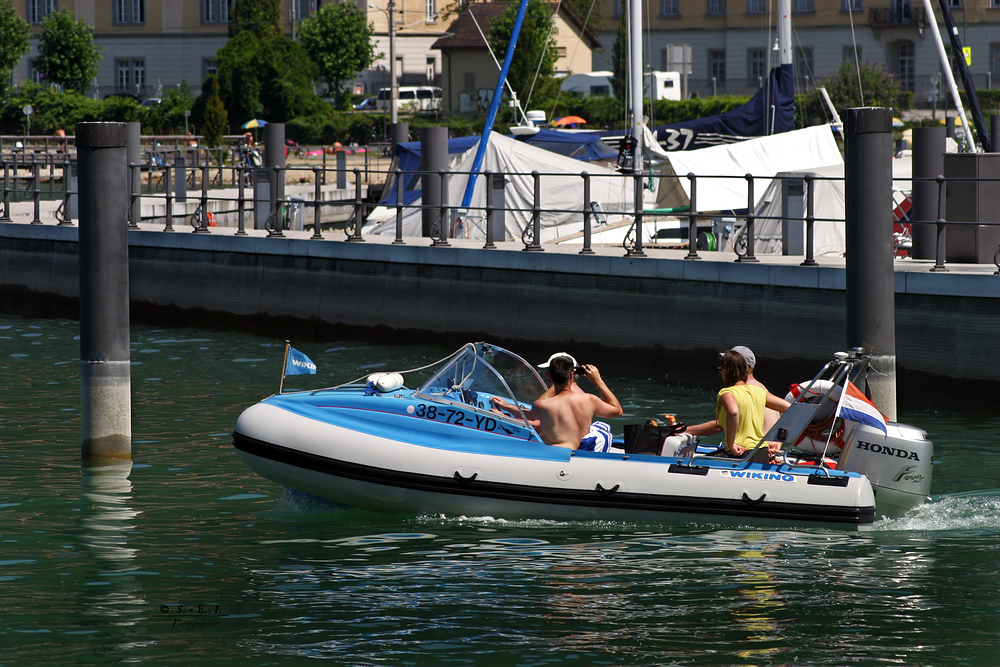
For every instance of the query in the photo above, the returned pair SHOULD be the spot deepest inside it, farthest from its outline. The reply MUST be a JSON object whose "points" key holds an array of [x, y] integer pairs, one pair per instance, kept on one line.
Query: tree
{"points": [[338, 38], [532, 68], [881, 88], [260, 17], [265, 77], [168, 116], [67, 54], [52, 108], [214, 124], [589, 14], [619, 62], [13, 42]]}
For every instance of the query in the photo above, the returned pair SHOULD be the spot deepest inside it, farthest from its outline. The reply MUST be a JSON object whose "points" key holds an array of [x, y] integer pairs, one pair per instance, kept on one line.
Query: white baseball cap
{"points": [[558, 354]]}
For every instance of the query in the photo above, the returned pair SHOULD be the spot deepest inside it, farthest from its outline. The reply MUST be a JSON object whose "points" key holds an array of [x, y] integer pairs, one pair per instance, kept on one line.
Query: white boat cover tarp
{"points": [[809, 148], [561, 192], [828, 202]]}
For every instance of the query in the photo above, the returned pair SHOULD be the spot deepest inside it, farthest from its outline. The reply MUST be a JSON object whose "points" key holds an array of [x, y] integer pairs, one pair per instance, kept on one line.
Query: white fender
{"points": [[386, 382], [389, 382]]}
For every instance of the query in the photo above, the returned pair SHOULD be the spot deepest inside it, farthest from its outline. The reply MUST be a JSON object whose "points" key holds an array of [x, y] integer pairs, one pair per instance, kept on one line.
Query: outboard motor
{"points": [[898, 465]]}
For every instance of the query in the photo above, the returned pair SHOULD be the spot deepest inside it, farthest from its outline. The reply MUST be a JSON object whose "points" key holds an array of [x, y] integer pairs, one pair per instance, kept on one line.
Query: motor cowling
{"points": [[897, 463]]}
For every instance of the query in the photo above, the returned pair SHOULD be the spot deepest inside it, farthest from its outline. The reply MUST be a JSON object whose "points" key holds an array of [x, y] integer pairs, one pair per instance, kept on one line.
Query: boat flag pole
{"points": [[284, 365], [477, 164]]}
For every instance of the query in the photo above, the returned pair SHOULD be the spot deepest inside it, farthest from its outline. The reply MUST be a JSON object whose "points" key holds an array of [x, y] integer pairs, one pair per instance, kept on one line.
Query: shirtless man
{"points": [[563, 418]]}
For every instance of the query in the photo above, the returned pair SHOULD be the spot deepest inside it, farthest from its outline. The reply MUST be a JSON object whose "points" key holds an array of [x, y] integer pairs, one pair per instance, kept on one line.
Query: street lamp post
{"points": [[393, 87], [390, 13]]}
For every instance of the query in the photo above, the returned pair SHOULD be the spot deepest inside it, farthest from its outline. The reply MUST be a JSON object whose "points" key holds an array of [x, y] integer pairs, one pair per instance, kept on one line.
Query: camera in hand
{"points": [[579, 370]]}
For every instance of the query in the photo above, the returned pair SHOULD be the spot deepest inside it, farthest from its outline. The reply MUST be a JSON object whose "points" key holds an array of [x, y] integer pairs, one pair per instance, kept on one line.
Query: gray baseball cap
{"points": [[747, 354]]}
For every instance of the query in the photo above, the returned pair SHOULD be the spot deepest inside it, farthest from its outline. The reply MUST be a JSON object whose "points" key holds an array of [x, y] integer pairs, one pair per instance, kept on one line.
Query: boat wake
{"points": [[978, 511]]}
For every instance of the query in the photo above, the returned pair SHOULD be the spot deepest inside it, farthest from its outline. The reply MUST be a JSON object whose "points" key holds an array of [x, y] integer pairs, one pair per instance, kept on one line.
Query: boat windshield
{"points": [[480, 371]]}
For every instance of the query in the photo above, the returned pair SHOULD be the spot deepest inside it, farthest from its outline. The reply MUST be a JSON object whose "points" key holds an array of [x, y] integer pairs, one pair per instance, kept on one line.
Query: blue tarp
{"points": [[408, 161], [587, 147]]}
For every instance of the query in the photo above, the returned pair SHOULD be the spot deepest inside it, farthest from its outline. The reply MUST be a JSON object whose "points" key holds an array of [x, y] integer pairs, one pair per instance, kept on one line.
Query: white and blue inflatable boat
{"points": [[439, 449]]}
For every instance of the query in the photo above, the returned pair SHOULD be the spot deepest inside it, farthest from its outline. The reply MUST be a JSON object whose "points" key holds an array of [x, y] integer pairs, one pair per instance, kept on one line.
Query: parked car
{"points": [[151, 101], [367, 104]]}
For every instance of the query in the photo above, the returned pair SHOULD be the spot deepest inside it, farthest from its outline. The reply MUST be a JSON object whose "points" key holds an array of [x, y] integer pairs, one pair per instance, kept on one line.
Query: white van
{"points": [[411, 98], [659, 85]]}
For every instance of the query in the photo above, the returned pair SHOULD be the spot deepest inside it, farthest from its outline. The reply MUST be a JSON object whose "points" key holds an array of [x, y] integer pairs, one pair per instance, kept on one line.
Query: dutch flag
{"points": [[854, 406]]}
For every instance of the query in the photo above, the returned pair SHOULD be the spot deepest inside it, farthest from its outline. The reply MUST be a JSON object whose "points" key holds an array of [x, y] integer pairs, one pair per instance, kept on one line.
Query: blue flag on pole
{"points": [[299, 364]]}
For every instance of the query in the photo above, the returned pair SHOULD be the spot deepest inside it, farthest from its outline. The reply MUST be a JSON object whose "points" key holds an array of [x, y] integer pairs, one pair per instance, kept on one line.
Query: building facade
{"points": [[733, 42], [152, 46], [418, 23], [469, 71]]}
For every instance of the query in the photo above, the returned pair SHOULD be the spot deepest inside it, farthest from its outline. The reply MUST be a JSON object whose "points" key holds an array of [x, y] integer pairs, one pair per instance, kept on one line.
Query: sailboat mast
{"points": [[785, 32], [946, 66], [491, 115], [635, 44]]}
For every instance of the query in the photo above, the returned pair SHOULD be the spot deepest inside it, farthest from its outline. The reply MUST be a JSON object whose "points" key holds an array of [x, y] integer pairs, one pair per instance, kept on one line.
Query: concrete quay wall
{"points": [[661, 306]]}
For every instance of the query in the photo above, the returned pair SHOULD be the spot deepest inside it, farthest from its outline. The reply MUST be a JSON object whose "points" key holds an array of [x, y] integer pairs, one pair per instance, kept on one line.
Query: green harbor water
{"points": [[184, 557]]}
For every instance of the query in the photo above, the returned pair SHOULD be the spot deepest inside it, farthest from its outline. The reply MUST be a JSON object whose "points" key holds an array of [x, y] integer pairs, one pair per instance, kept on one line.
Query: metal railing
{"points": [[39, 180], [896, 16]]}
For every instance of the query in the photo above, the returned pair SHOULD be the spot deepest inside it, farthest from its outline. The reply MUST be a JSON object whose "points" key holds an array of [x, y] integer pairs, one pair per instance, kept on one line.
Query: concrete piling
{"points": [[928, 163], [274, 158], [433, 160], [105, 377], [871, 316], [399, 133], [134, 156]]}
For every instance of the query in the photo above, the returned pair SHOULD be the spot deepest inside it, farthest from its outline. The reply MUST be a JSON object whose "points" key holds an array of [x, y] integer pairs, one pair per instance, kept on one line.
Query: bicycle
{"points": [[282, 217], [250, 160], [196, 219]]}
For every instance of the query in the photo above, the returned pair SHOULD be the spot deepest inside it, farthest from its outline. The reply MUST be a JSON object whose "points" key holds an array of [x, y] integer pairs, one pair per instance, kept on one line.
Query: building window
{"points": [[900, 11], [33, 72], [717, 65], [431, 70], [994, 58], [954, 4], [619, 10], [805, 7], [131, 76], [716, 7], [852, 6], [994, 4], [905, 64], [756, 6], [670, 7], [215, 11], [804, 66], [755, 65], [303, 9], [208, 68], [130, 11], [39, 9], [431, 11], [851, 54]]}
